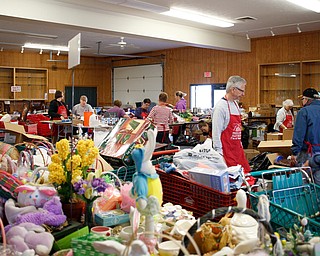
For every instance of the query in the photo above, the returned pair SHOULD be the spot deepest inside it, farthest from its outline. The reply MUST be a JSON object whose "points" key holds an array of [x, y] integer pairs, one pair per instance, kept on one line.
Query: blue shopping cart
{"points": [[293, 195]]}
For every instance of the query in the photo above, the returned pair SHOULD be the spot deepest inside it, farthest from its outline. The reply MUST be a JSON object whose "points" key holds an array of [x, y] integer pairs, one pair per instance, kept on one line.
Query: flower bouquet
{"points": [[70, 171]]}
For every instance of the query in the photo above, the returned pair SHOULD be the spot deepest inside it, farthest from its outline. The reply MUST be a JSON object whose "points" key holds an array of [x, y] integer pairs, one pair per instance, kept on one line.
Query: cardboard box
{"points": [[77, 121], [282, 147], [274, 136], [18, 132], [287, 134], [216, 179], [251, 153], [111, 218]]}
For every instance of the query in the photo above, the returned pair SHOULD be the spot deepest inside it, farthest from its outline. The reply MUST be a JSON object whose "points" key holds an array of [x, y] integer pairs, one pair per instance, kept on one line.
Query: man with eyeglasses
{"points": [[306, 135], [227, 127]]}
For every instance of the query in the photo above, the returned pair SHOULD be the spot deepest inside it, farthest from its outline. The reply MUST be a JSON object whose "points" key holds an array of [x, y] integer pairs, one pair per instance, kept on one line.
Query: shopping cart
{"points": [[293, 196]]}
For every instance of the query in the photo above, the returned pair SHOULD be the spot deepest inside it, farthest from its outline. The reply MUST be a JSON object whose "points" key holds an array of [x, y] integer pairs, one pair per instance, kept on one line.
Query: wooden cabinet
{"points": [[6, 81], [23, 83], [278, 82], [311, 74], [23, 87]]}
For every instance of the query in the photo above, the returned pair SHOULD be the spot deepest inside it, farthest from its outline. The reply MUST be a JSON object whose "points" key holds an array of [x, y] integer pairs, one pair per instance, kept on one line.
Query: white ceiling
{"points": [[57, 21]]}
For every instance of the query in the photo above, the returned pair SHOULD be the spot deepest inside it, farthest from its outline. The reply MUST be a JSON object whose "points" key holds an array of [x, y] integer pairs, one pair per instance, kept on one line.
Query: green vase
{"points": [[88, 214]]}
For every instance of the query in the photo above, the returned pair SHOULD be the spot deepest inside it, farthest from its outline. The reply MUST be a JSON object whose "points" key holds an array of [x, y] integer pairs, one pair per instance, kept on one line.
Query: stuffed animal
{"points": [[26, 237], [137, 248], [35, 194], [12, 211], [51, 214]]}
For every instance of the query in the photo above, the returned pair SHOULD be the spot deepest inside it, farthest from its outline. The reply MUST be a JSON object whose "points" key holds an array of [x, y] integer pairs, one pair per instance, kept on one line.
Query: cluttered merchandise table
{"points": [[65, 127]]}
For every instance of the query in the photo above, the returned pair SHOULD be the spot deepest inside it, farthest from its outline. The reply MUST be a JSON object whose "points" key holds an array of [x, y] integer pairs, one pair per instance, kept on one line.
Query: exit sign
{"points": [[207, 74]]}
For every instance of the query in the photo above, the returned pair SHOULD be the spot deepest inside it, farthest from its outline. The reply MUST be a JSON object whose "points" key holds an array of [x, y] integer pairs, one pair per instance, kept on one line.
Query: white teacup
{"points": [[169, 248], [101, 230], [126, 233]]}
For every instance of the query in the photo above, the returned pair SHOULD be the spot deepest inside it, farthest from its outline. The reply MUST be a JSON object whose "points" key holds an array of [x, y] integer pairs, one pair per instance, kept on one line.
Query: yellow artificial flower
{"points": [[63, 148], [80, 159], [56, 158]]}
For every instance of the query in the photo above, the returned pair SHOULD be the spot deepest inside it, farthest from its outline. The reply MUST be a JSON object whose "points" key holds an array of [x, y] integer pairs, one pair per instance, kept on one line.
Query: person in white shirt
{"points": [[284, 116], [79, 109], [227, 127]]}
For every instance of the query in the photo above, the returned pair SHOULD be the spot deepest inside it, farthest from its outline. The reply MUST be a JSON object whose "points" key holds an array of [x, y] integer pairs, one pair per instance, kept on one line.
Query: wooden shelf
{"points": [[278, 82], [33, 83], [276, 88]]}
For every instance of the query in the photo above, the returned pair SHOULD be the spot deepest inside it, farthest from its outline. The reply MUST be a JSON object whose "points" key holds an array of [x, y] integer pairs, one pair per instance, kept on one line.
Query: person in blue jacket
{"points": [[306, 135], [314, 163]]}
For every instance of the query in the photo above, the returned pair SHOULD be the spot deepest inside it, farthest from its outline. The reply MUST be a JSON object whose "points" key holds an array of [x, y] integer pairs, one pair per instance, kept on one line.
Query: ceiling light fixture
{"points": [[298, 28], [1, 50], [313, 5], [247, 35], [58, 53], [278, 28], [197, 17], [142, 5], [22, 49], [273, 34], [46, 47], [40, 51], [44, 36]]}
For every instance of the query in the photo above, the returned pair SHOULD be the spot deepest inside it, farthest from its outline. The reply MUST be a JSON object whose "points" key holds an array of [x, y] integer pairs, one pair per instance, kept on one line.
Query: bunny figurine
{"points": [[35, 194], [146, 181], [147, 188]]}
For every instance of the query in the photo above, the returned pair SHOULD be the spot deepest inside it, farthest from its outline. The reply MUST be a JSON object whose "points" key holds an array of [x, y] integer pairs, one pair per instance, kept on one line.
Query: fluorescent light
{"points": [[141, 5], [197, 17], [46, 47], [313, 5]]}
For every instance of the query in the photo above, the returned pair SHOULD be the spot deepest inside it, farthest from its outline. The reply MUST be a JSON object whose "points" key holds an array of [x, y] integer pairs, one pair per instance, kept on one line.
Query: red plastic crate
{"points": [[43, 128], [30, 128], [193, 196]]}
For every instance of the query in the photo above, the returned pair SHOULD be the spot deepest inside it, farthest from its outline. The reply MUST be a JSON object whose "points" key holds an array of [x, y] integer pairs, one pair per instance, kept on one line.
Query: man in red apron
{"points": [[226, 125], [58, 110]]}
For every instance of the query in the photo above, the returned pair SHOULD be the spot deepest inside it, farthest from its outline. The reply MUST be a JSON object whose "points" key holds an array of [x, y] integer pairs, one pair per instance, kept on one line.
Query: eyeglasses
{"points": [[304, 98], [239, 89]]}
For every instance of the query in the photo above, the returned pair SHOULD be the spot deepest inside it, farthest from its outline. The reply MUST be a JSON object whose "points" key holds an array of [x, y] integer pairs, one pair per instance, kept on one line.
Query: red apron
{"points": [[288, 122], [62, 111], [231, 143]]}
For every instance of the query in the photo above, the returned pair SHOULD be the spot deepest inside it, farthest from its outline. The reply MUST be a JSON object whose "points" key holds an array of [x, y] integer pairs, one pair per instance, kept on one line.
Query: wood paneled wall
{"points": [[95, 72], [182, 66]]}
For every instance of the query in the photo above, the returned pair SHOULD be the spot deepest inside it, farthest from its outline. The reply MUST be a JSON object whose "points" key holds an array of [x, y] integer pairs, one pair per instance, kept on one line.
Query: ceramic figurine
{"points": [[244, 227]]}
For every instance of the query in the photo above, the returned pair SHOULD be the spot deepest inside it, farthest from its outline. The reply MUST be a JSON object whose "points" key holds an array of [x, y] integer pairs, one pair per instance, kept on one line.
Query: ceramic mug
{"points": [[101, 230]]}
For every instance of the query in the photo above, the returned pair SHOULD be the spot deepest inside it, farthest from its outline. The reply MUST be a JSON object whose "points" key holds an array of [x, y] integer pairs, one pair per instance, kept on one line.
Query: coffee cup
{"points": [[101, 230]]}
